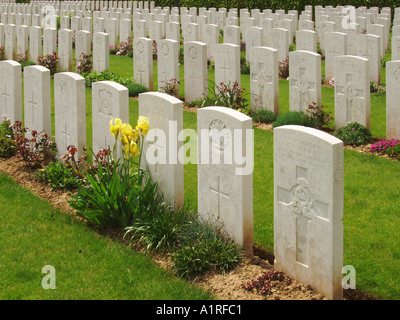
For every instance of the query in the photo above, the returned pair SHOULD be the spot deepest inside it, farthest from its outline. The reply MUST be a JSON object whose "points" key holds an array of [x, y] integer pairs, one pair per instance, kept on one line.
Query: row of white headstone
{"points": [[352, 79], [308, 162]]}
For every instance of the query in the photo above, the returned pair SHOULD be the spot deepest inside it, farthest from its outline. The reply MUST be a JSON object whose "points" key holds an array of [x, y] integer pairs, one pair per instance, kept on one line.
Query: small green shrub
{"points": [[293, 118], [244, 66], [204, 248], [170, 87], [135, 88], [59, 176], [227, 95], [8, 147], [376, 88], [26, 64], [159, 225], [354, 134], [284, 68], [49, 61], [394, 151], [263, 116], [318, 116]]}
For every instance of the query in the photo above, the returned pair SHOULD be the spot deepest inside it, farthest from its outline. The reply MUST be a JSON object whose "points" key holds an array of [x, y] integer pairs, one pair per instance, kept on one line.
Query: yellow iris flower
{"points": [[116, 127], [143, 125], [131, 149]]}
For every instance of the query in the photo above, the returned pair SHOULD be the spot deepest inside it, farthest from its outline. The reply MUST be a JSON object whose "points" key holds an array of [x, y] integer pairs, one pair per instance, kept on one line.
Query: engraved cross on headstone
{"points": [[140, 72], [225, 69], [33, 105], [159, 148], [350, 94], [193, 78], [220, 194], [6, 97], [166, 74], [302, 86], [305, 208], [66, 136]]}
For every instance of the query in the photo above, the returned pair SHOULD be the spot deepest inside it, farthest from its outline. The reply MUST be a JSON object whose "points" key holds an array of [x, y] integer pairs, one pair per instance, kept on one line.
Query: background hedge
{"points": [[274, 4]]}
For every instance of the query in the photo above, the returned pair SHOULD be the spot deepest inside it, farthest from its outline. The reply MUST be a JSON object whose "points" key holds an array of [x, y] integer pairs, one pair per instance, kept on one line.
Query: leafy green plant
{"points": [[49, 61], [202, 248], [35, 150], [284, 68], [293, 118], [376, 88], [125, 47], [113, 193], [263, 116], [228, 95], [8, 147], [159, 225], [134, 88], [59, 176], [318, 116], [394, 151], [26, 64], [170, 87], [244, 66], [354, 134], [84, 65]]}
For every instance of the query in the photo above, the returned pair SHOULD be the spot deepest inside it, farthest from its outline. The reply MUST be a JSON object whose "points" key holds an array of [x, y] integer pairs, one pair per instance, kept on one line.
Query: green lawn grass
{"points": [[88, 266], [371, 193]]}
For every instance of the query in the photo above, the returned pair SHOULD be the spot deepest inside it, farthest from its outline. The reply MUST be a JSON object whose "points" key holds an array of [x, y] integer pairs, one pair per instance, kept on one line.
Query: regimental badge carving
{"points": [[165, 49], [105, 102], [219, 137], [139, 47], [193, 53]]}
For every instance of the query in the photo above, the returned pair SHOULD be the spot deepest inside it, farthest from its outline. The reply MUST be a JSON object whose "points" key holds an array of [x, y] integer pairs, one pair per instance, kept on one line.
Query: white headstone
{"points": [[232, 35], [49, 41], [35, 43], [196, 75], [101, 52], [336, 44], [225, 182], [69, 112], [109, 100], [37, 98], [10, 90], [352, 91], [305, 80], [10, 42], [167, 62], [65, 49], [396, 48], [143, 62], [308, 207], [227, 64], [264, 79], [22, 40], [162, 151], [392, 100], [306, 40]]}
